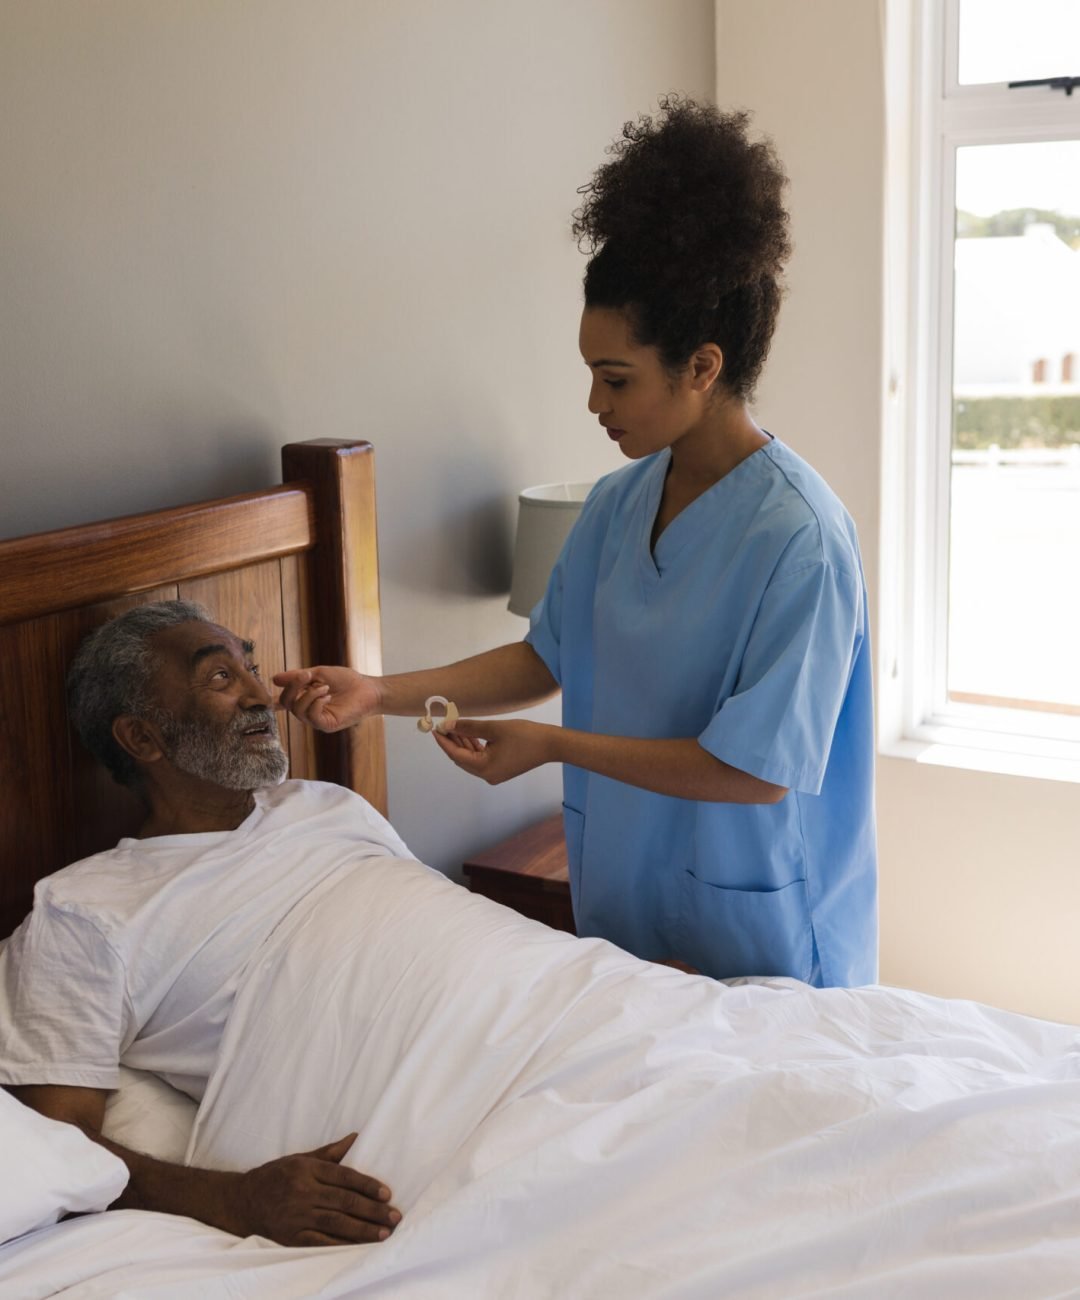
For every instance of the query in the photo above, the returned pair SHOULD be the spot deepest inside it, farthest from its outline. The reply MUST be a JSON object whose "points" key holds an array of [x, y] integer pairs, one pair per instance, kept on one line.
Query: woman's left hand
{"points": [[497, 751]]}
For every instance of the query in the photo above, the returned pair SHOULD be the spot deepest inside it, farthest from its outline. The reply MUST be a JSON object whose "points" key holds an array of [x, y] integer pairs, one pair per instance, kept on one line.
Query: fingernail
{"points": [[384, 1233], [384, 1193], [395, 1216]]}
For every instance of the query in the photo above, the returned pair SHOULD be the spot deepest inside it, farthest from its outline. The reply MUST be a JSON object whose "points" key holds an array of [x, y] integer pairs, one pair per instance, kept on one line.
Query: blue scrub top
{"points": [[746, 627]]}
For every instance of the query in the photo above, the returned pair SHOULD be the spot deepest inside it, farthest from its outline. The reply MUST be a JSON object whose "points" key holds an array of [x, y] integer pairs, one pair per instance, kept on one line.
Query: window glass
{"points": [[1014, 561], [1018, 40]]}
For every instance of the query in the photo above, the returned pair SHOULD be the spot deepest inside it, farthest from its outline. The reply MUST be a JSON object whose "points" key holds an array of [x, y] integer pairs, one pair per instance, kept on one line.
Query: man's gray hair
{"points": [[112, 674]]}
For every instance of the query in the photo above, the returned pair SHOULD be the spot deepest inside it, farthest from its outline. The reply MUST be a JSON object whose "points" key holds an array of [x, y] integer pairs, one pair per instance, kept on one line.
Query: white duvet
{"points": [[558, 1119]]}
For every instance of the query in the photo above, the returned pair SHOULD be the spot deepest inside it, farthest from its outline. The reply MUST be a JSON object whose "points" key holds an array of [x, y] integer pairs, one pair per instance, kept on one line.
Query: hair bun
{"points": [[688, 231]]}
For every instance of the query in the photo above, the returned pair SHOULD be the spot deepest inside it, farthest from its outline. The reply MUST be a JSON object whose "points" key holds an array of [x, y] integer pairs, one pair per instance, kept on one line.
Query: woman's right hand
{"points": [[328, 698]]}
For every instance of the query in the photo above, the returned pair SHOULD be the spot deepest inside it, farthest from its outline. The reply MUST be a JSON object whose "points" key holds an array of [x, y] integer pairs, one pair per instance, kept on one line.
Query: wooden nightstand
{"points": [[528, 873]]}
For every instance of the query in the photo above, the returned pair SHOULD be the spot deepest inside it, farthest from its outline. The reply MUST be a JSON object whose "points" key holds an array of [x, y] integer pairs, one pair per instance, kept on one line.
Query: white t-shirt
{"points": [[135, 955]]}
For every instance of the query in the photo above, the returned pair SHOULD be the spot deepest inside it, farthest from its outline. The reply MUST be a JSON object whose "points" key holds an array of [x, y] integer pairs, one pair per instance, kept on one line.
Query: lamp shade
{"points": [[545, 516]]}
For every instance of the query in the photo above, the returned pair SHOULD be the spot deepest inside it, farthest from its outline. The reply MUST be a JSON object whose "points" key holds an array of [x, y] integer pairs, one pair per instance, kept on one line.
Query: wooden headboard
{"points": [[294, 567]]}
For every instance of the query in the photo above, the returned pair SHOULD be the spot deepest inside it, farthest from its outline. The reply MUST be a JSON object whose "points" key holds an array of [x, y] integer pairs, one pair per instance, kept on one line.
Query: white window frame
{"points": [[929, 116]]}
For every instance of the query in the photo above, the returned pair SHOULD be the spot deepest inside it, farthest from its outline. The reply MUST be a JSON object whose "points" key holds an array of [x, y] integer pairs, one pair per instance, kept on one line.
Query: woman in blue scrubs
{"points": [[706, 622]]}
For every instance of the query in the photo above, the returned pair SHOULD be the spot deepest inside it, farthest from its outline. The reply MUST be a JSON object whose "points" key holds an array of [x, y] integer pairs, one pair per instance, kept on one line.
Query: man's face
{"points": [[213, 712]]}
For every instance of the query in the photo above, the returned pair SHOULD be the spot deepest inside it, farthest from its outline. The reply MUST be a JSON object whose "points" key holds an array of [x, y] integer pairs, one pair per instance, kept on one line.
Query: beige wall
{"points": [[228, 224], [980, 874]]}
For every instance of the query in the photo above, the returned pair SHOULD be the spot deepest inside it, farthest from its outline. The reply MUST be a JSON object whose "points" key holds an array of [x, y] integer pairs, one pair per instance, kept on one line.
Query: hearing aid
{"points": [[441, 725]]}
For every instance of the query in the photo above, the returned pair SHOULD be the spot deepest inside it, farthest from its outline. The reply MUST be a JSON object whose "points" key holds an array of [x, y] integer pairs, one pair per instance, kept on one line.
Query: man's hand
{"points": [[498, 751], [328, 699], [314, 1200], [309, 1199]]}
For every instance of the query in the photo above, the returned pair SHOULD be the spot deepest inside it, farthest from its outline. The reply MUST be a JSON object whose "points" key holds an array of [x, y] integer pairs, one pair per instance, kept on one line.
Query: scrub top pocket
{"points": [[728, 932]]}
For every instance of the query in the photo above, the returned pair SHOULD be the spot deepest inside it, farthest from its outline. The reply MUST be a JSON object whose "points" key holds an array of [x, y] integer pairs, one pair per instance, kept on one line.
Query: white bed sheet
{"points": [[560, 1120], [149, 1115], [136, 1254]]}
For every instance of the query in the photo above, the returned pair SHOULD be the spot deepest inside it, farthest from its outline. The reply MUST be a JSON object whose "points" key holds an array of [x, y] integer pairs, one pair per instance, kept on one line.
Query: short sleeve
{"points": [[778, 723], [63, 1003], [572, 581]]}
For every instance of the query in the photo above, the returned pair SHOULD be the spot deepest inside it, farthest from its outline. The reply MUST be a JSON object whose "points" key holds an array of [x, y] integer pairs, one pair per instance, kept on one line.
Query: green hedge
{"points": [[1011, 422], [1015, 221]]}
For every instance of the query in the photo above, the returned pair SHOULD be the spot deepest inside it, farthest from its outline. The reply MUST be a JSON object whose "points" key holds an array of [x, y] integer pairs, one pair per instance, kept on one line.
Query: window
{"points": [[981, 491]]}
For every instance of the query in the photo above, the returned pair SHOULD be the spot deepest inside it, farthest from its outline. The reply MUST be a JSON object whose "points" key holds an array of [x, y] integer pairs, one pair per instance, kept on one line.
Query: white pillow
{"points": [[50, 1169], [149, 1115]]}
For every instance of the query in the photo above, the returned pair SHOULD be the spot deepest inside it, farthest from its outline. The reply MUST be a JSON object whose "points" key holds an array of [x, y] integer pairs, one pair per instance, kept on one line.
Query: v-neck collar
{"points": [[654, 560]]}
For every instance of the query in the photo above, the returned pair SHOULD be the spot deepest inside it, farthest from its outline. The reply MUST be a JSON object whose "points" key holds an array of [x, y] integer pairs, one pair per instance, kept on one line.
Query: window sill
{"points": [[1048, 764]]}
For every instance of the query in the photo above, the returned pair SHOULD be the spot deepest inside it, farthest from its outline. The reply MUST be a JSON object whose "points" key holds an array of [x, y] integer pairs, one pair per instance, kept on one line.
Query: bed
{"points": [[557, 1119]]}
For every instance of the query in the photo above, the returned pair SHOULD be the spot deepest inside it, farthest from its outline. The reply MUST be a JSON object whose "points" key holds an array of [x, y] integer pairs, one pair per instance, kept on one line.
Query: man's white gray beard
{"points": [[225, 758]]}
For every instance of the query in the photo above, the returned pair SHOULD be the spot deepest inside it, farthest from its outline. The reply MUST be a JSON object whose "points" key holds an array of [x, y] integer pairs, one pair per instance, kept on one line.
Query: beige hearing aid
{"points": [[441, 725]]}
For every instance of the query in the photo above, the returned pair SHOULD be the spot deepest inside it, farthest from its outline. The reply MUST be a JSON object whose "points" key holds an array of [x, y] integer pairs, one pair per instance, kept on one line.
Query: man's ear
{"points": [[138, 737]]}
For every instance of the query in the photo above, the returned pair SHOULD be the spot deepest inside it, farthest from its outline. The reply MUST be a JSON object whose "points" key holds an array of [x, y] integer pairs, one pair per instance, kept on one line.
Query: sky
{"points": [[1016, 40], [995, 177]]}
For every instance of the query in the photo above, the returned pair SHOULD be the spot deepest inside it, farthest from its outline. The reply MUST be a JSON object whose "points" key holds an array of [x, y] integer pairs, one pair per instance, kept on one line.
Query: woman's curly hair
{"points": [[689, 235]]}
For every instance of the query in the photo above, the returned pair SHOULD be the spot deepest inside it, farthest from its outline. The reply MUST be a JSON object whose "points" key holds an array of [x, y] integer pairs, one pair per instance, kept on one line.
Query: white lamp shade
{"points": [[545, 516]]}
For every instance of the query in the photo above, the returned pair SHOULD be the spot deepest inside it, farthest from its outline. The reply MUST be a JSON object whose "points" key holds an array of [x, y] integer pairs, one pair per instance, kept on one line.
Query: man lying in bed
{"points": [[135, 954]]}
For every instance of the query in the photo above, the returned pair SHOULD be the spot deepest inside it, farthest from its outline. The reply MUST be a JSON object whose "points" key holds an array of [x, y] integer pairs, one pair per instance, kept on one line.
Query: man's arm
{"points": [[309, 1199]]}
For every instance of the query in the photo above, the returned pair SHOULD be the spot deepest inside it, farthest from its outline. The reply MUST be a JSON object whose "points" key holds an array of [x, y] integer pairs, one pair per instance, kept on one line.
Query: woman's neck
{"points": [[724, 439], [702, 457]]}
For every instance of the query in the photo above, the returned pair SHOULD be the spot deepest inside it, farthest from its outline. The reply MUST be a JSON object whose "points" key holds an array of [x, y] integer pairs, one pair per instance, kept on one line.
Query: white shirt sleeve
{"points": [[63, 1002]]}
